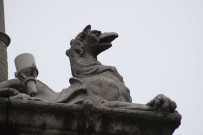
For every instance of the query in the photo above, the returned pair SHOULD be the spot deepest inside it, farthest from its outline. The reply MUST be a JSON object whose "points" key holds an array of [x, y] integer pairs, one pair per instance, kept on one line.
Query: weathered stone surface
{"points": [[99, 84], [97, 102], [3, 62], [4, 42], [20, 117]]}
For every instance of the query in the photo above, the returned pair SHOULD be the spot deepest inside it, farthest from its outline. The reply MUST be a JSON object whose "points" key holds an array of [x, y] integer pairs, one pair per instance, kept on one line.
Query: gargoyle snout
{"points": [[107, 37], [104, 43]]}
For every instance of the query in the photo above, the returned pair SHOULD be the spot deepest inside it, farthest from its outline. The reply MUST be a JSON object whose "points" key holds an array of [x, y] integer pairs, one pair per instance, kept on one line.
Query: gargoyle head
{"points": [[92, 42]]}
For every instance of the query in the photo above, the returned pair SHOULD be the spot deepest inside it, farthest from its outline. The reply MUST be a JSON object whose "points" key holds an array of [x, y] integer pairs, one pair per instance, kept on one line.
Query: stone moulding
{"points": [[5, 38], [20, 117]]}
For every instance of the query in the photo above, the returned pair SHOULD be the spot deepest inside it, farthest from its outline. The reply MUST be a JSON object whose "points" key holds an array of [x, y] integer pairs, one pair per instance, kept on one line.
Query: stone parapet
{"points": [[20, 117]]}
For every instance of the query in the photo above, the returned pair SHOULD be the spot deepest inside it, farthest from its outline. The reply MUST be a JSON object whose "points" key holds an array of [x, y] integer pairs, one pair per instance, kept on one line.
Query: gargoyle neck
{"points": [[89, 56], [83, 66]]}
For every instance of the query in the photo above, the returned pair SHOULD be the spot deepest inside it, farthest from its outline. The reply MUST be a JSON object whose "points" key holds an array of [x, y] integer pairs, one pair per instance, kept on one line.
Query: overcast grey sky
{"points": [[159, 48]]}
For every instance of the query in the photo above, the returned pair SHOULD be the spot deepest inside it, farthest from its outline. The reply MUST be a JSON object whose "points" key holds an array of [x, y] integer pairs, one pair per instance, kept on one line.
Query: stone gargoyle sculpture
{"points": [[92, 83]]}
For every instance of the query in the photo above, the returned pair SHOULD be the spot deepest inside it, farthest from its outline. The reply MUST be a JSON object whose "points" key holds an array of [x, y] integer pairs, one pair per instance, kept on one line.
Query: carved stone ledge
{"points": [[5, 38], [18, 117]]}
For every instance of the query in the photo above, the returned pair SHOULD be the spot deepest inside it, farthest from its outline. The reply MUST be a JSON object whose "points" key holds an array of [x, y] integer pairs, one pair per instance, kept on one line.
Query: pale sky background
{"points": [[159, 48]]}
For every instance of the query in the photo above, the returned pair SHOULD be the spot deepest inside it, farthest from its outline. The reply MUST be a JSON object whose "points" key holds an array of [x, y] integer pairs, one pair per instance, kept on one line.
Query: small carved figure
{"points": [[92, 84]]}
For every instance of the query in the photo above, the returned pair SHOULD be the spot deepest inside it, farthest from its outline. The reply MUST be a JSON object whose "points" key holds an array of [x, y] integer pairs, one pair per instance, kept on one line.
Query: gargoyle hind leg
{"points": [[8, 88], [15, 89], [11, 89], [7, 92]]}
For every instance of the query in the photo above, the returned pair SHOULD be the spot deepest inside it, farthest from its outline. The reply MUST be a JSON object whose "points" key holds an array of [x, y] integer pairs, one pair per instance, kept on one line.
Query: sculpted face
{"points": [[94, 42]]}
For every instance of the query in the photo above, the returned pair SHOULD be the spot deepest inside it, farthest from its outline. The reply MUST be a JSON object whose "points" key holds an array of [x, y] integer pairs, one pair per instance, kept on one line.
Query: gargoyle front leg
{"points": [[87, 106], [126, 105], [159, 103], [162, 103]]}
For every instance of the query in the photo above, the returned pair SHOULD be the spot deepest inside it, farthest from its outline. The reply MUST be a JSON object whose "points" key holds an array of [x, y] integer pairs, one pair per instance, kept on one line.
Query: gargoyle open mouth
{"points": [[104, 43]]}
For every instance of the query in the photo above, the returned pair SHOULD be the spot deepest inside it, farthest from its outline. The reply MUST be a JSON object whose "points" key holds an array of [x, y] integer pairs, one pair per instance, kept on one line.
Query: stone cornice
{"points": [[36, 117], [5, 38]]}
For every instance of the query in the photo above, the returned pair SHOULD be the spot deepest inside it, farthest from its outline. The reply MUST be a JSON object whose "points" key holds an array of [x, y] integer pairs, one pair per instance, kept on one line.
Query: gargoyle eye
{"points": [[96, 32]]}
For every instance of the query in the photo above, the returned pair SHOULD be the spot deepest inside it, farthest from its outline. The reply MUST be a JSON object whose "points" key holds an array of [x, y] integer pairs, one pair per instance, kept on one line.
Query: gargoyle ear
{"points": [[87, 28]]}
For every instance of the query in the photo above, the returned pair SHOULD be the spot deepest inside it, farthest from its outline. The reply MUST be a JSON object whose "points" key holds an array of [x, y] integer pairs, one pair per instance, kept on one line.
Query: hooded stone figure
{"points": [[98, 84]]}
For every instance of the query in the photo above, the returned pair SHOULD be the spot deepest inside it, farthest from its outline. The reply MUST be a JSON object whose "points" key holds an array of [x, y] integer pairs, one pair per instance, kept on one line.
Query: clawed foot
{"points": [[87, 106], [162, 103]]}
